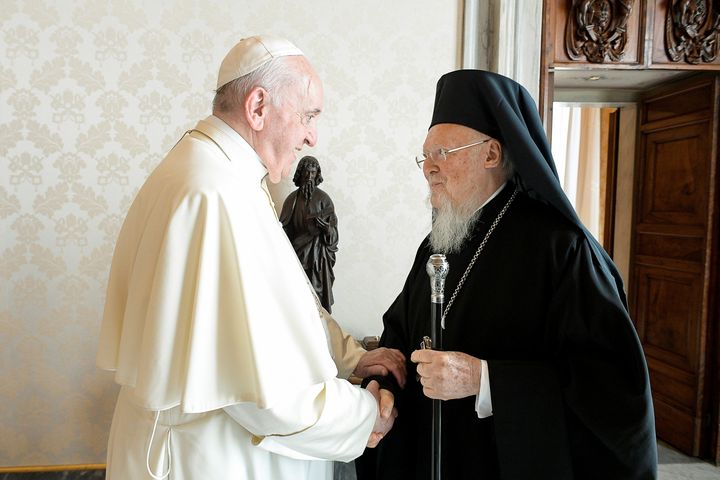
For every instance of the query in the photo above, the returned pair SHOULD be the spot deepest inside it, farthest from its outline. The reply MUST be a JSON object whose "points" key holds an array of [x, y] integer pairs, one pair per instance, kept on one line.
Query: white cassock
{"points": [[227, 370]]}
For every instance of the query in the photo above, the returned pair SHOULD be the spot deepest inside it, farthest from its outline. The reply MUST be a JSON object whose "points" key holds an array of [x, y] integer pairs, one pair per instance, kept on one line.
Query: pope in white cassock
{"points": [[229, 367]]}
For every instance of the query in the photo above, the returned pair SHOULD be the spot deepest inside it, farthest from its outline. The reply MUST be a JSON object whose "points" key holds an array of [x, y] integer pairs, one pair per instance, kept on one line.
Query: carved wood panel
{"points": [[632, 34], [686, 33], [596, 32]]}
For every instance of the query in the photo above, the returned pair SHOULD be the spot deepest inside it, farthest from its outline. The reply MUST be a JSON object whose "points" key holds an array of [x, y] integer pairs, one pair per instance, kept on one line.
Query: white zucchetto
{"points": [[250, 54]]}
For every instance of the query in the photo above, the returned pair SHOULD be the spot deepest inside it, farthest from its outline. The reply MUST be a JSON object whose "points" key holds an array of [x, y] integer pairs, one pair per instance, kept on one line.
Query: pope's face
{"points": [[293, 123], [461, 178]]}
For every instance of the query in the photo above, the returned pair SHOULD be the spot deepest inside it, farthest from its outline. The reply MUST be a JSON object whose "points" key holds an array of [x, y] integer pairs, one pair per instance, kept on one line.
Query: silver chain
{"points": [[475, 257]]}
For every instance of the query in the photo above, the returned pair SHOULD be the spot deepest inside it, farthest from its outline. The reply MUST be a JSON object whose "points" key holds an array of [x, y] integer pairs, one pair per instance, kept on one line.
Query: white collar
{"points": [[492, 196], [233, 145]]}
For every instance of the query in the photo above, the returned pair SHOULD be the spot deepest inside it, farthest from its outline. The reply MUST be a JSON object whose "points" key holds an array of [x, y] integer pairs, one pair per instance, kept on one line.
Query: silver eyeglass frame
{"points": [[419, 159]]}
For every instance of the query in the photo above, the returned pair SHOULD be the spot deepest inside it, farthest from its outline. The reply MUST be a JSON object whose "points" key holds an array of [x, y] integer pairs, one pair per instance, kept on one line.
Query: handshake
{"points": [[443, 375], [386, 413], [382, 361]]}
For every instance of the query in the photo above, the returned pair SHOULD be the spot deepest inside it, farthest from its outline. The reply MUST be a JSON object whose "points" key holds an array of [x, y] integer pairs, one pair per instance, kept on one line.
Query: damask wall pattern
{"points": [[92, 94]]}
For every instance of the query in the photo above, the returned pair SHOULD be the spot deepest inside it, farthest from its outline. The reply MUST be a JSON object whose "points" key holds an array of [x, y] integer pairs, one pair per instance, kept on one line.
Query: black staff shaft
{"points": [[435, 324], [436, 331], [437, 269]]}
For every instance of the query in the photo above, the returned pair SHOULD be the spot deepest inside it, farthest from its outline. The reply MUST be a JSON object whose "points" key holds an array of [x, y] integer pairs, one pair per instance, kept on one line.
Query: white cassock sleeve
{"points": [[346, 351], [314, 424], [483, 401]]}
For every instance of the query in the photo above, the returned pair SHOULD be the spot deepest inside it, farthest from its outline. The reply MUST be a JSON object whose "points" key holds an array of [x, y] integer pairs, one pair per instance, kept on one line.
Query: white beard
{"points": [[452, 226]]}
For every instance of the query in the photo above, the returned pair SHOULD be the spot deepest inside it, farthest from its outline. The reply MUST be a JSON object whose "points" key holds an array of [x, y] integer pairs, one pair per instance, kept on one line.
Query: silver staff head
{"points": [[437, 269]]}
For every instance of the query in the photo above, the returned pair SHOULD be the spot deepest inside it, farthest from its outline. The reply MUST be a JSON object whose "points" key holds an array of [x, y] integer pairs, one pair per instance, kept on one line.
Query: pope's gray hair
{"points": [[275, 76]]}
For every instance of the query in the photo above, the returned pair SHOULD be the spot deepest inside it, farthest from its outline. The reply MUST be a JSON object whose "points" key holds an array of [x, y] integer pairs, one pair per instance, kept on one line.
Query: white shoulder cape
{"points": [[207, 304]]}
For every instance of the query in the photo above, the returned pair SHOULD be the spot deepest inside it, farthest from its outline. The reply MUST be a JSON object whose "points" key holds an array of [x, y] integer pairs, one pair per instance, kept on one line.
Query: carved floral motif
{"points": [[597, 29], [692, 30]]}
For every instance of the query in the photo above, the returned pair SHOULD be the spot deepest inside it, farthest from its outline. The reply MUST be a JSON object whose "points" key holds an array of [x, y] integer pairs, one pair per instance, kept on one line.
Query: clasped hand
{"points": [[386, 413], [447, 375], [383, 361]]}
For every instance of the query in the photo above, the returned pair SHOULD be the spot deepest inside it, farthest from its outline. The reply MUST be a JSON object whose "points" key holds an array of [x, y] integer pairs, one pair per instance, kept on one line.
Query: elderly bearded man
{"points": [[543, 376], [227, 363]]}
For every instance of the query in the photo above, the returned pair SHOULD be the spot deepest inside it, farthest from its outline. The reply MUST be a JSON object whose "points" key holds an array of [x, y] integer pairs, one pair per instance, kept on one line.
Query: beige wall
{"points": [[91, 96]]}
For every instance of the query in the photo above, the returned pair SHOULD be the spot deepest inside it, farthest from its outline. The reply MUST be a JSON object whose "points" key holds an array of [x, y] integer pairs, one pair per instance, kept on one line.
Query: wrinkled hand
{"points": [[386, 413], [447, 375], [382, 361]]}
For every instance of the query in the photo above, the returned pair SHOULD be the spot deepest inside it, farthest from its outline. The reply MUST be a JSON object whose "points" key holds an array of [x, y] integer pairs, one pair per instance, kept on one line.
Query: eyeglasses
{"points": [[442, 153]]}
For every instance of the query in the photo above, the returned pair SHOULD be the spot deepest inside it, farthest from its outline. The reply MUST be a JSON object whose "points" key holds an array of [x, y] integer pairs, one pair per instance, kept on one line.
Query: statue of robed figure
{"points": [[308, 217]]}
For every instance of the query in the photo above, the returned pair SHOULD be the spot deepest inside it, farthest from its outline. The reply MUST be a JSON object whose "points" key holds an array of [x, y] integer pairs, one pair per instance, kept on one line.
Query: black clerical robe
{"points": [[568, 379]]}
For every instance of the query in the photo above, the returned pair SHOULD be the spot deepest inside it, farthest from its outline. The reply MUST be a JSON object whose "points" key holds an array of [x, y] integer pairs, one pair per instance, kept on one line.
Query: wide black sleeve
{"points": [[394, 336], [590, 397], [391, 458], [397, 328]]}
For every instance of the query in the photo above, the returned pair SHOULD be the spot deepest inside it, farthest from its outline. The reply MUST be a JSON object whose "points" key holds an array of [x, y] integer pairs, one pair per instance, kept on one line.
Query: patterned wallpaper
{"points": [[92, 94]]}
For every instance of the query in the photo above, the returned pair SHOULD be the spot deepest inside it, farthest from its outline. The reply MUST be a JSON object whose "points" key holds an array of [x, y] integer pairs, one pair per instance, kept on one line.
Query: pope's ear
{"points": [[494, 154], [256, 108]]}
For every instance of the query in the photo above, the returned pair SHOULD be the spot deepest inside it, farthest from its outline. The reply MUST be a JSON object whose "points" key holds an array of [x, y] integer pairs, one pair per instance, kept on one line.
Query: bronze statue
{"points": [[308, 217]]}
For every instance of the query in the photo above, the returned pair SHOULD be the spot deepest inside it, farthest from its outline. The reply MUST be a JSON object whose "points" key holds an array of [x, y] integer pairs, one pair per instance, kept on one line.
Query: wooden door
{"points": [[609, 134], [673, 281]]}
